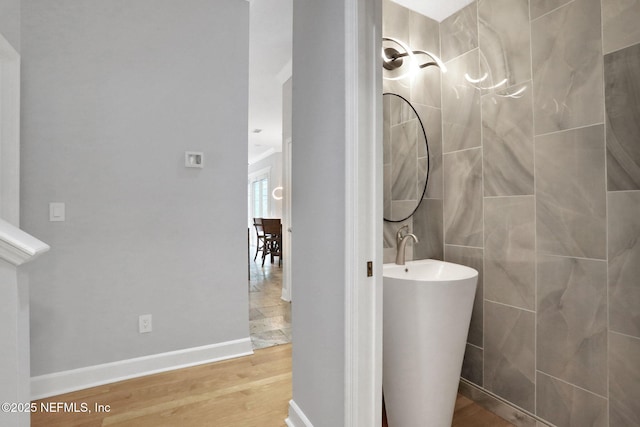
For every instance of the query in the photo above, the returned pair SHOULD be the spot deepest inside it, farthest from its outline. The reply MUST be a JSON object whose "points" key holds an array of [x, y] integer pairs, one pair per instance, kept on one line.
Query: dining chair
{"points": [[273, 239], [260, 243]]}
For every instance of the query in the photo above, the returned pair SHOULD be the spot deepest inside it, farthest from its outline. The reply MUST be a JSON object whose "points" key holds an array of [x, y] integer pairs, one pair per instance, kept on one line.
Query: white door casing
{"points": [[9, 133], [363, 305], [287, 253]]}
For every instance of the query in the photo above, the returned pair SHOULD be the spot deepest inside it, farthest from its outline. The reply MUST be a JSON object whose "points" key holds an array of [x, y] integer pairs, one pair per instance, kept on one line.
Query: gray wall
{"points": [[318, 211], [114, 93], [10, 22], [546, 204]]}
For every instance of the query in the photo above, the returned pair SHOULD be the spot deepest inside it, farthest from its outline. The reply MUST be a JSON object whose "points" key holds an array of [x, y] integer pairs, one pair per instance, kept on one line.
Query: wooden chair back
{"points": [[272, 226]]}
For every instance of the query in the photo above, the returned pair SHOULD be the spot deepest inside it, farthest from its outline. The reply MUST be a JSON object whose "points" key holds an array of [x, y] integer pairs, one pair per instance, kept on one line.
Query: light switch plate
{"points": [[56, 211]]}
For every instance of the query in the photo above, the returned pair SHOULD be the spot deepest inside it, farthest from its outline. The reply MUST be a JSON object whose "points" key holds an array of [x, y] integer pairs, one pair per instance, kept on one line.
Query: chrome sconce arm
{"points": [[393, 58]]}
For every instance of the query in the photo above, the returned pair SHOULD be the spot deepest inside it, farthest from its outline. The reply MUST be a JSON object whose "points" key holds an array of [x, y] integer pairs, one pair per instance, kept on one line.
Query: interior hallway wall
{"points": [[10, 22], [541, 195], [114, 93], [318, 206]]}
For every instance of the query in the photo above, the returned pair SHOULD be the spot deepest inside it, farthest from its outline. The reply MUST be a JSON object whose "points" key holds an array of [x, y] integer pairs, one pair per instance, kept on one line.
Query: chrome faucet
{"points": [[401, 243]]}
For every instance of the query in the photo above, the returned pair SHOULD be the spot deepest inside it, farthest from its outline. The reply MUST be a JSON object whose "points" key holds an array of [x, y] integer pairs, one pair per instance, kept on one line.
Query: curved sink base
{"points": [[427, 311]]}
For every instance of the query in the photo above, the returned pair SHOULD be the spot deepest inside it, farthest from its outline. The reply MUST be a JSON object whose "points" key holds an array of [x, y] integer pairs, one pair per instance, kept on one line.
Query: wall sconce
{"points": [[277, 193], [393, 59]]}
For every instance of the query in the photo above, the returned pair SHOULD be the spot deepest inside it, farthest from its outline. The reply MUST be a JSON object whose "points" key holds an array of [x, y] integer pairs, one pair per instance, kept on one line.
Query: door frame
{"points": [[9, 133], [287, 290], [363, 184]]}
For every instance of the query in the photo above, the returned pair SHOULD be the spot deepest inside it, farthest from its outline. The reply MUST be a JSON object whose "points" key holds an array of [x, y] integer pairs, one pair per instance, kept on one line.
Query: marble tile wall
{"points": [[461, 104], [509, 354], [566, 48], [424, 93], [620, 27], [509, 251], [539, 186], [571, 193]]}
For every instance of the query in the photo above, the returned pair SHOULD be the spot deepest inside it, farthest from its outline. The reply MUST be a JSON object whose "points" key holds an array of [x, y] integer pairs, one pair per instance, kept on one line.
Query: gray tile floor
{"points": [[269, 315]]}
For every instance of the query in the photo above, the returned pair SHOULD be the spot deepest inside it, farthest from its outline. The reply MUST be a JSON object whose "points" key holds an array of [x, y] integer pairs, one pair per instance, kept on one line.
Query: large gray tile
{"points": [[507, 140], [622, 93], [571, 194], [567, 67], [386, 190], [404, 161], [400, 87], [509, 365], [471, 257], [432, 122], [395, 21], [424, 35], [459, 32], [620, 24], [541, 7], [624, 262], [461, 123], [386, 128], [568, 406], [428, 227], [624, 381], [572, 321], [463, 198], [269, 339], [504, 40], [472, 365], [509, 250], [426, 86]]}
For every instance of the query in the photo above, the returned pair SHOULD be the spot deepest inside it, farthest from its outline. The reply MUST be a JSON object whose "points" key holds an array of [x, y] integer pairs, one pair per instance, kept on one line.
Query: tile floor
{"points": [[269, 315]]}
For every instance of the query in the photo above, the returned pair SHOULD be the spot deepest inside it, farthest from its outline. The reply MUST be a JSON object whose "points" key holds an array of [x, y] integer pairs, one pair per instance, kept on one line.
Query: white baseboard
{"points": [[297, 418], [78, 379]]}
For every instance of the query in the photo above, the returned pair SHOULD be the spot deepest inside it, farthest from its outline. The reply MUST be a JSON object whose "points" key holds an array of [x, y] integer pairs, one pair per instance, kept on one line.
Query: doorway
{"points": [[269, 314], [270, 53]]}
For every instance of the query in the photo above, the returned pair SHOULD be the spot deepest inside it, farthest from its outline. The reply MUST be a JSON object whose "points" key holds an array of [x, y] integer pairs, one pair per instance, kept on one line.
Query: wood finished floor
{"points": [[252, 391]]}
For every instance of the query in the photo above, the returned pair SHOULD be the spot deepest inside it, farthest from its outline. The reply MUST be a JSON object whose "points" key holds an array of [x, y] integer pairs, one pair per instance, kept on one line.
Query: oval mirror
{"points": [[406, 158]]}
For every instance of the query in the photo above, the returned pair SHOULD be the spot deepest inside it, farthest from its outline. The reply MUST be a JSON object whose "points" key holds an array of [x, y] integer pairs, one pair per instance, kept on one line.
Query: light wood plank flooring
{"points": [[251, 391]]}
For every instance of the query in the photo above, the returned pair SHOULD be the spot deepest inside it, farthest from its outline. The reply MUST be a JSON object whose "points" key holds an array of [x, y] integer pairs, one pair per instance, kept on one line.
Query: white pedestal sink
{"points": [[427, 309]]}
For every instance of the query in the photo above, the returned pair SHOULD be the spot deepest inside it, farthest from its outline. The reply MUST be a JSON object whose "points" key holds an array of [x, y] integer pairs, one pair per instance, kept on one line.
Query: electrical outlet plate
{"points": [[144, 324]]}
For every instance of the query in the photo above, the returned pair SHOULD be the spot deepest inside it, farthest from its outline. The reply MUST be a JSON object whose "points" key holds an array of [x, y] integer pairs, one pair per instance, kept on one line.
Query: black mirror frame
{"points": [[426, 141]]}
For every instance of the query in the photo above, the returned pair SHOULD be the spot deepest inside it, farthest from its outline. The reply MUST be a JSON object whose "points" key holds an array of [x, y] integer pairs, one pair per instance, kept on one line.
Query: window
{"points": [[261, 198], [259, 195]]}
